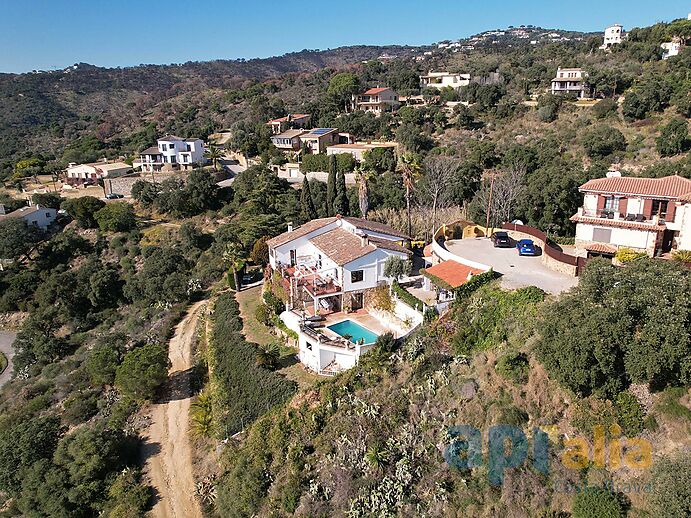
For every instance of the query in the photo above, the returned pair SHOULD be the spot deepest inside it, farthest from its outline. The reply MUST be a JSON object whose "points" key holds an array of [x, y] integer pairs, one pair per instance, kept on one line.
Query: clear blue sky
{"points": [[48, 34]]}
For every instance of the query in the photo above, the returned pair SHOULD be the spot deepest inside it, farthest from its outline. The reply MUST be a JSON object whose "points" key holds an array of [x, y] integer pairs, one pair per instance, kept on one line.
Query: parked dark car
{"points": [[526, 247], [114, 196], [501, 240]]}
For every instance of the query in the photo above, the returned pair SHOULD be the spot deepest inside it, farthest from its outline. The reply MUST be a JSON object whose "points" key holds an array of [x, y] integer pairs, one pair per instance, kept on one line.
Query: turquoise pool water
{"points": [[354, 331]]}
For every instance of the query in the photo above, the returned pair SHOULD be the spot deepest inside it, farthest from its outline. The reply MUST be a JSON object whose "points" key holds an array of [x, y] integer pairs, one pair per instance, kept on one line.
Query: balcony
{"points": [[615, 215], [316, 282]]}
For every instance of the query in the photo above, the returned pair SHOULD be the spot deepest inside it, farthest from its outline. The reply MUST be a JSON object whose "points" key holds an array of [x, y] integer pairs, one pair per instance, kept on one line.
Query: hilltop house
{"points": [[172, 153], [614, 35], [443, 79], [87, 174], [376, 100], [671, 48], [34, 215], [330, 269], [652, 215], [290, 121], [358, 149], [570, 81]]}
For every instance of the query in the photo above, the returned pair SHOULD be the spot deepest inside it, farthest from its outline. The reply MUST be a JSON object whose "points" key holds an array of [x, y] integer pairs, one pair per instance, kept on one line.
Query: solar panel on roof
{"points": [[321, 131]]}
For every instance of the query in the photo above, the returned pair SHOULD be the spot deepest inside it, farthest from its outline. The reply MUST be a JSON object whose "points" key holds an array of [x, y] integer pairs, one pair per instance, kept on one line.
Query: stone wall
{"points": [[548, 261]]}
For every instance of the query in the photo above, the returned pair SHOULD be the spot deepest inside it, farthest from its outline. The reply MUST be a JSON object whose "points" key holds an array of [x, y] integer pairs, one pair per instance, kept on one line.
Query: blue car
{"points": [[526, 247]]}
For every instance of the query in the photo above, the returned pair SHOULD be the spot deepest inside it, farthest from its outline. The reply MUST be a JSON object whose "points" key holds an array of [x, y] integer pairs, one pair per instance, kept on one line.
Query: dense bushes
{"points": [[244, 390], [621, 335], [142, 371], [596, 502], [345, 163]]}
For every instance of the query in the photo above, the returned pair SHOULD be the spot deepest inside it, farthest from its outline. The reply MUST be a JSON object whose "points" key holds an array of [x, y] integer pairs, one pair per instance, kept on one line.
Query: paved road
{"points": [[516, 271], [6, 339]]}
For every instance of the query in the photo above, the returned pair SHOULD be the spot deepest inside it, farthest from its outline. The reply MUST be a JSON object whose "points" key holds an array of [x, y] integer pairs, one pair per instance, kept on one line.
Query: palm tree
{"points": [[409, 167], [268, 357], [214, 154], [377, 457], [363, 191], [234, 256]]}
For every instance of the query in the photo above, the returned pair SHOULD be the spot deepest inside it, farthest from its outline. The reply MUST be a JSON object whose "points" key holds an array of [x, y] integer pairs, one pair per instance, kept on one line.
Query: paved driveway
{"points": [[6, 339], [516, 271]]}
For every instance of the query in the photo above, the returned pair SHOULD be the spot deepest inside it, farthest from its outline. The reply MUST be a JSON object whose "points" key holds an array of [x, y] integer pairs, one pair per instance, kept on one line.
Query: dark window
{"points": [[612, 203], [357, 276], [659, 208]]}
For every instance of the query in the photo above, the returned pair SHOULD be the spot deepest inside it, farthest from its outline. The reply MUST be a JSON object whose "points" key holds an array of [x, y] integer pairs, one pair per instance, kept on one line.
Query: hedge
{"points": [[345, 163], [243, 391], [408, 297], [475, 282]]}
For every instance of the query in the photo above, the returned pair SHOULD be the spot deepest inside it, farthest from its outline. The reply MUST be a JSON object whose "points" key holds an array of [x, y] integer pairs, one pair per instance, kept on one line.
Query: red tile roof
{"points": [[300, 231], [685, 197], [294, 117], [601, 248], [666, 187], [633, 225], [375, 91], [453, 273]]}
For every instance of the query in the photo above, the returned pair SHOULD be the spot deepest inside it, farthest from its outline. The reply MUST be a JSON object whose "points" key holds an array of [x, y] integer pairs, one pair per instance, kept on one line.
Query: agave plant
{"points": [[201, 415]]}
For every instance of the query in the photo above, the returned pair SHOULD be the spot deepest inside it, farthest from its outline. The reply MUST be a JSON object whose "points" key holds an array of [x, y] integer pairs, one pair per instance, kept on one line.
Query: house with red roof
{"points": [[651, 215], [376, 100], [290, 121], [446, 276]]}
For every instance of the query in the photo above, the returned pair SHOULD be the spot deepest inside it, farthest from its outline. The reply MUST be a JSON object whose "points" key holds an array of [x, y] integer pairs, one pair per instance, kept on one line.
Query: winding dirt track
{"points": [[169, 462]]}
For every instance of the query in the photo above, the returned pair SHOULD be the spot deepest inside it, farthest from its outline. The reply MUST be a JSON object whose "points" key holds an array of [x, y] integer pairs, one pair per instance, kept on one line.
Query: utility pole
{"points": [[489, 201]]}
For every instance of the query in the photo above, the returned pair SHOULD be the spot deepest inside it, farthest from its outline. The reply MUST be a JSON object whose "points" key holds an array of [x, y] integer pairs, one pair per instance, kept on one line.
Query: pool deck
{"points": [[361, 317]]}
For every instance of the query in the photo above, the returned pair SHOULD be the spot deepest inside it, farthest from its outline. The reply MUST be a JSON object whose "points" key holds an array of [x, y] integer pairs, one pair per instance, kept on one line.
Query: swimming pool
{"points": [[354, 331]]}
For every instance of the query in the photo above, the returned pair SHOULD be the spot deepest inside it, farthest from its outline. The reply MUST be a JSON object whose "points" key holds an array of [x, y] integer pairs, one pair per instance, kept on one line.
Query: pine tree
{"points": [[341, 201], [331, 186], [307, 210]]}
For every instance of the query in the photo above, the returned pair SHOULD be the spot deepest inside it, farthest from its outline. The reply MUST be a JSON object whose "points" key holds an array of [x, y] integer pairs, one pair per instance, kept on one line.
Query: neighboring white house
{"points": [[570, 81], [359, 149], [614, 35], [34, 215], [443, 79], [330, 268], [172, 153], [652, 215], [671, 48], [80, 174]]}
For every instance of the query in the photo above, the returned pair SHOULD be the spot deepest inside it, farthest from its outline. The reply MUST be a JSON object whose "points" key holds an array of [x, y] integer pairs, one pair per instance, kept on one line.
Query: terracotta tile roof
{"points": [[300, 231], [387, 244], [294, 117], [601, 248], [453, 273], [633, 225], [666, 187], [342, 246], [151, 151], [291, 133], [375, 226], [375, 91], [686, 197]]}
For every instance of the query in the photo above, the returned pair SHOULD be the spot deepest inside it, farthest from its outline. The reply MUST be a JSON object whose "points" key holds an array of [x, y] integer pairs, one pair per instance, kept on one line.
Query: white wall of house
{"points": [[372, 267], [590, 202], [185, 152], [626, 237], [301, 245], [683, 217]]}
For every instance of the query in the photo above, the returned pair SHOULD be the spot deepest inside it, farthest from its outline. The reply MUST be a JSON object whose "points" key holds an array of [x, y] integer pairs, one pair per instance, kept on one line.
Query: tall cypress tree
{"points": [[341, 201], [331, 186], [307, 210]]}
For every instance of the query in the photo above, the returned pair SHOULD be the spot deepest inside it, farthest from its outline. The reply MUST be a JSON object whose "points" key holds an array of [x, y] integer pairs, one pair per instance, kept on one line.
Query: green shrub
{"points": [[630, 414], [671, 494], [262, 315], [682, 256], [596, 502], [604, 108], [475, 282], [275, 304], [513, 416], [142, 371], [407, 297], [514, 367]]}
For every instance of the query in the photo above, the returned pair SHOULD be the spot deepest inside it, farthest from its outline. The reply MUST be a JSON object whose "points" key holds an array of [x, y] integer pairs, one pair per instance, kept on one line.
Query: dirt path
{"points": [[169, 462]]}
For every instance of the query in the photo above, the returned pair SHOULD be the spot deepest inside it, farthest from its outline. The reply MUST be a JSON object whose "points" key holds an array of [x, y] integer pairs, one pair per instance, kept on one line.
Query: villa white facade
{"points": [[33, 215], [172, 153], [329, 267], [614, 35], [570, 81], [444, 79]]}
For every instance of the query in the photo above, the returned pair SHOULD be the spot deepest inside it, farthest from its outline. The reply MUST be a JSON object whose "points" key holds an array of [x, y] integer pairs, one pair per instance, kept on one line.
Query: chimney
{"points": [[290, 226], [2, 210], [364, 240]]}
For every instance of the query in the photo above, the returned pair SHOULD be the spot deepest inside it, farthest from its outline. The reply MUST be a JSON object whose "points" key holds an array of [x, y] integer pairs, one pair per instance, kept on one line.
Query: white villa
{"points": [[172, 153], [671, 48], [34, 215], [570, 81], [358, 149], [443, 79], [614, 35], [330, 269], [651, 215], [376, 100]]}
